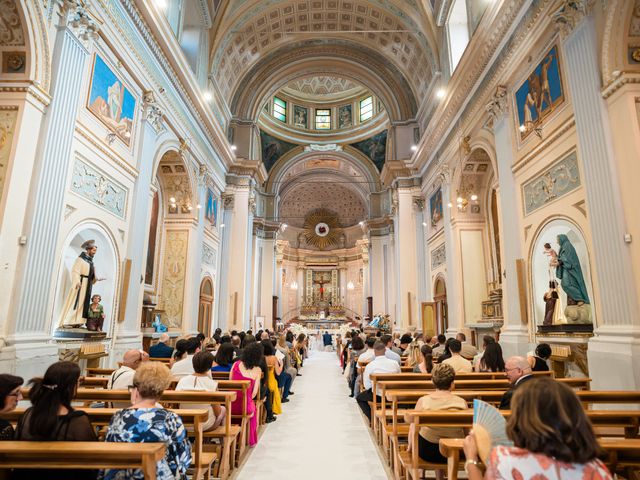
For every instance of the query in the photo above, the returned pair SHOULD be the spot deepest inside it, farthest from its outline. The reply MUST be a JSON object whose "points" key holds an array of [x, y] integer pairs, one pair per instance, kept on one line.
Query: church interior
{"points": [[326, 168]]}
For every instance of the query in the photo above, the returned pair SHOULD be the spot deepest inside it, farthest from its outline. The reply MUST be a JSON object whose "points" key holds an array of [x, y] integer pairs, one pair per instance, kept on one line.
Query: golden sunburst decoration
{"points": [[321, 228]]}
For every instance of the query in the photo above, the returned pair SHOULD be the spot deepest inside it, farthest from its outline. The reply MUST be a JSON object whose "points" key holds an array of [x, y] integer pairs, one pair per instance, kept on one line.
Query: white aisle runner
{"points": [[320, 434]]}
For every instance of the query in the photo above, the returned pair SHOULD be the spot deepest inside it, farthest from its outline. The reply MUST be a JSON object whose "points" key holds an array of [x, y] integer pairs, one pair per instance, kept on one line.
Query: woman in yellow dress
{"points": [[274, 367]]}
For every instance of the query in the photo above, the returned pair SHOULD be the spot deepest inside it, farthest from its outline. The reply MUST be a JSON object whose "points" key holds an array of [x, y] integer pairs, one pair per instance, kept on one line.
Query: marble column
{"points": [[514, 336], [423, 265], [280, 245], [454, 273], [225, 248], [406, 307], [611, 352], [34, 303], [267, 278], [239, 249], [193, 274], [128, 335]]}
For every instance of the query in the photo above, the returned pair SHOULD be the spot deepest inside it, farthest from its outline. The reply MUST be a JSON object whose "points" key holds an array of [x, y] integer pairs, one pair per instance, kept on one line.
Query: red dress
{"points": [[236, 405]]}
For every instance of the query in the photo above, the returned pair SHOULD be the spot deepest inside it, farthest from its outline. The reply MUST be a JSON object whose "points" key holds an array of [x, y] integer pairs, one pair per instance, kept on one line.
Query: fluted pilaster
{"points": [[613, 266], [34, 308]]}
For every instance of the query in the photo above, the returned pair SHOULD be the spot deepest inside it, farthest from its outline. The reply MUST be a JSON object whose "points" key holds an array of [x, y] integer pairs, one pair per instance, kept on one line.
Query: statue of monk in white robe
{"points": [[75, 310]]}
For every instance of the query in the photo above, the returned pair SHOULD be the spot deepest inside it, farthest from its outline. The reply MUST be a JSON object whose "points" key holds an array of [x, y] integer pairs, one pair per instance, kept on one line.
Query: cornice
{"points": [[29, 88], [214, 138], [86, 133], [548, 142], [486, 66], [619, 82]]}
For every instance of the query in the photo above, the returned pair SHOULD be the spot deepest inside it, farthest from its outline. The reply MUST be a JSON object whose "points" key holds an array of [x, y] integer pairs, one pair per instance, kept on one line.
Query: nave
{"points": [[321, 434]]}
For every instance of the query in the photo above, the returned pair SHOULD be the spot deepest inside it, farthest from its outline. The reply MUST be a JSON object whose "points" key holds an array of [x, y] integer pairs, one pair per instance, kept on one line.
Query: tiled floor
{"points": [[321, 434]]}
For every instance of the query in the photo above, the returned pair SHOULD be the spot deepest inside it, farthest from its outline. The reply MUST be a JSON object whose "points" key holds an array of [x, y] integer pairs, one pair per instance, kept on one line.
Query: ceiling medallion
{"points": [[321, 228]]}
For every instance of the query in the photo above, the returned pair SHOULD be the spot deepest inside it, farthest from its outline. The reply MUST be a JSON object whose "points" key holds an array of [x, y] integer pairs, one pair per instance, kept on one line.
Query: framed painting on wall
{"points": [[211, 207], [540, 94], [300, 115], [345, 116], [111, 101], [435, 207]]}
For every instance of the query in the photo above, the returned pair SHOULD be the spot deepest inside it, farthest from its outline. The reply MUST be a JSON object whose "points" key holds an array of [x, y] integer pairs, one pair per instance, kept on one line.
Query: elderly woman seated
{"points": [[147, 421]]}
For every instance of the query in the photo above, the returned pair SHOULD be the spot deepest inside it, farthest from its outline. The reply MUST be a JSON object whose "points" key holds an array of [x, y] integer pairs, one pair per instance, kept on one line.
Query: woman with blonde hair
{"points": [[414, 357], [426, 361], [147, 421], [552, 436]]}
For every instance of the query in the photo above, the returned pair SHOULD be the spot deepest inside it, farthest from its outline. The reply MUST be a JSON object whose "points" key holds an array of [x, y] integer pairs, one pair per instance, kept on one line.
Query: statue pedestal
{"points": [[78, 334], [566, 328]]}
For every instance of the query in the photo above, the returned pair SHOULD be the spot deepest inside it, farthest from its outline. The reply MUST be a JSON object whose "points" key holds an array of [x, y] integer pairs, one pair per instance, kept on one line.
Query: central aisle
{"points": [[320, 434]]}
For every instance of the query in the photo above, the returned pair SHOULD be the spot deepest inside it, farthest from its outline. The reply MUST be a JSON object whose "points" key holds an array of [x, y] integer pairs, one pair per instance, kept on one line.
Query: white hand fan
{"points": [[489, 427]]}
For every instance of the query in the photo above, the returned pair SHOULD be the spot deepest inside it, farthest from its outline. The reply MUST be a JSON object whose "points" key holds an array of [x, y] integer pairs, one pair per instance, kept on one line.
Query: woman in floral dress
{"points": [[147, 421]]}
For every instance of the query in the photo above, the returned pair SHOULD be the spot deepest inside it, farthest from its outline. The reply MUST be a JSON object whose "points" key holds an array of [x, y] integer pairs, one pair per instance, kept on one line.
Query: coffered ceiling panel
{"points": [[252, 29]]}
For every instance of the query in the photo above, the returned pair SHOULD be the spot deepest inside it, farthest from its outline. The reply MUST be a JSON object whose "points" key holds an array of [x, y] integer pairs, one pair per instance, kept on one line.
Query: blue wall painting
{"points": [[272, 149], [375, 148], [211, 208], [540, 94], [111, 101], [435, 207]]}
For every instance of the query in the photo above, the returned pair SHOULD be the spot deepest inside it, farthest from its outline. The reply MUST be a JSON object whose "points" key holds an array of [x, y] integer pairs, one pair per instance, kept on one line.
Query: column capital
{"points": [[152, 113], [204, 175], [77, 18], [253, 204], [444, 175], [419, 203], [570, 14], [228, 201], [498, 107]]}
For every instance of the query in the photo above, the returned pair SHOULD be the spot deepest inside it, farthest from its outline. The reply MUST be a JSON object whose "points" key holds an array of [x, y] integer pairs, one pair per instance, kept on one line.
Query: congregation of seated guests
{"points": [[548, 425], [272, 363]]}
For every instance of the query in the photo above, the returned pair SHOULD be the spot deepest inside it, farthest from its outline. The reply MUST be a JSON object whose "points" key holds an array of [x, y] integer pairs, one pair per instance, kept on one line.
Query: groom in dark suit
{"points": [[518, 372]]}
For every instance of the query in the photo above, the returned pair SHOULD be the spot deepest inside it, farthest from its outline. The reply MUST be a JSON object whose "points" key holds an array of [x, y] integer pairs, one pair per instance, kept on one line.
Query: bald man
{"points": [[518, 371], [123, 377], [162, 349]]}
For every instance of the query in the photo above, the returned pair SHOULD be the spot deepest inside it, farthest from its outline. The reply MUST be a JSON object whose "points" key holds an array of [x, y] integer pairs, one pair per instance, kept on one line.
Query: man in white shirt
{"points": [[122, 378], [387, 340], [468, 351], [459, 363], [184, 367], [368, 354], [380, 364]]}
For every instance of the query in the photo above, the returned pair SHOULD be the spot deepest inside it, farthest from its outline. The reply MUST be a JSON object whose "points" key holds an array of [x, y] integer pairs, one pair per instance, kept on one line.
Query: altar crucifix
{"points": [[322, 281]]}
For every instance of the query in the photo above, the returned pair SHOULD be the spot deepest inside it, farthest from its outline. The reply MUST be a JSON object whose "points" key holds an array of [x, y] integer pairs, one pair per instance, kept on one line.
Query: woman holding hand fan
{"points": [[552, 438]]}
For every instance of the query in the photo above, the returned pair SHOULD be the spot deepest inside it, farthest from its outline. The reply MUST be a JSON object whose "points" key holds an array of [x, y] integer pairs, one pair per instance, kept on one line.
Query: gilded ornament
{"points": [[636, 55], [321, 229]]}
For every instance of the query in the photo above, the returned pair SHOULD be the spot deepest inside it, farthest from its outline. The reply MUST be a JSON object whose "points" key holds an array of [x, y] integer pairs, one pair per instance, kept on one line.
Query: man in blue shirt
{"points": [[327, 340], [161, 349]]}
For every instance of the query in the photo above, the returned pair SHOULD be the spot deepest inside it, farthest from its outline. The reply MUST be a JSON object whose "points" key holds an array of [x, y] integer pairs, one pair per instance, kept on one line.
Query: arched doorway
{"points": [[440, 299], [206, 306]]}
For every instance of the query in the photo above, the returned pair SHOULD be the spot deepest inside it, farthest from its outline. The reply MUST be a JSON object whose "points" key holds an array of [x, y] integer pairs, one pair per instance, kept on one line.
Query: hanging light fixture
{"points": [[294, 285], [350, 285], [465, 192]]}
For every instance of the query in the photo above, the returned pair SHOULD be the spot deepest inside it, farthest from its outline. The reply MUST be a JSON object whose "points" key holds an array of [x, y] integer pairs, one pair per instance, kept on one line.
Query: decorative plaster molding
{"points": [[498, 107], [329, 147], [228, 201], [252, 204], [99, 188], [618, 83], [119, 161], [549, 141], [557, 181], [209, 255], [79, 21], [438, 256], [152, 113], [571, 13], [419, 203]]}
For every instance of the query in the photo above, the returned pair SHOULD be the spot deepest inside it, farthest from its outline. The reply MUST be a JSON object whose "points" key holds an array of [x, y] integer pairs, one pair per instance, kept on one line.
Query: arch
{"points": [[540, 275], [107, 266], [286, 64], [205, 308], [614, 39]]}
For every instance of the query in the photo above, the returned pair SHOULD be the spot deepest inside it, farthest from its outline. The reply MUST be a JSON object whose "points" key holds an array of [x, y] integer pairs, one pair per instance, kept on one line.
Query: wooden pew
{"points": [[82, 455], [95, 372], [627, 419], [394, 430], [227, 434], [191, 418], [162, 360], [623, 455]]}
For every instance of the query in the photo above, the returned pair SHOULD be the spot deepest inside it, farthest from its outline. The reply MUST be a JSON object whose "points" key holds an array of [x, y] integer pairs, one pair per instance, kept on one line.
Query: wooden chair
{"points": [[82, 455]]}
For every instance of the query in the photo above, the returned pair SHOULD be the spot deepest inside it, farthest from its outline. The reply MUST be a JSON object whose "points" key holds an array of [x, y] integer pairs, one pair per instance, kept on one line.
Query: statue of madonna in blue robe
{"points": [[569, 272]]}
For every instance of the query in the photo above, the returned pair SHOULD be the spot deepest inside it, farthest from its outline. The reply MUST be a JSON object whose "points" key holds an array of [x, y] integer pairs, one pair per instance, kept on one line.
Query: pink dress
{"points": [[513, 463], [236, 406]]}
